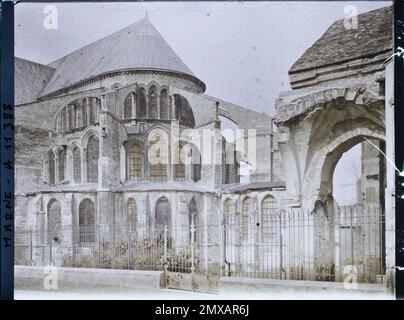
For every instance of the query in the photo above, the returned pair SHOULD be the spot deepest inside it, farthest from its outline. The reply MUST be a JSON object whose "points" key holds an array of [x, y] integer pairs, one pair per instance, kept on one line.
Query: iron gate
{"points": [[192, 257]]}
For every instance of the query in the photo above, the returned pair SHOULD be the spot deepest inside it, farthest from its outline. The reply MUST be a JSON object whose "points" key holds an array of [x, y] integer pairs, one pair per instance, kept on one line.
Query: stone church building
{"points": [[120, 133], [86, 124]]}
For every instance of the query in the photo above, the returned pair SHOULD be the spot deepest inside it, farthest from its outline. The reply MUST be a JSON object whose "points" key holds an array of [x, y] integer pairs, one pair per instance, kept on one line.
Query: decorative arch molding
{"points": [[153, 83], [157, 127], [359, 94], [322, 165], [87, 133], [77, 114], [263, 195], [123, 92]]}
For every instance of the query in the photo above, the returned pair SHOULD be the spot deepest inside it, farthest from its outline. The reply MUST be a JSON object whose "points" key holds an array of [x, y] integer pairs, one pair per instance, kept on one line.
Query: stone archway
{"points": [[315, 129], [318, 179]]}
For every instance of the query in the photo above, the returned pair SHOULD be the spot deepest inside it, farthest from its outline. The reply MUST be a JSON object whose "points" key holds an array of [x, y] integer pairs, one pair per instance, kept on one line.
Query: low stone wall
{"points": [[34, 277], [298, 288]]}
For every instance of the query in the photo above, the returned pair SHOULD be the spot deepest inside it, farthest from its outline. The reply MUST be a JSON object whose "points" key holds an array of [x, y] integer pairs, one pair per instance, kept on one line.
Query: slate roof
{"points": [[138, 46], [29, 79], [338, 44]]}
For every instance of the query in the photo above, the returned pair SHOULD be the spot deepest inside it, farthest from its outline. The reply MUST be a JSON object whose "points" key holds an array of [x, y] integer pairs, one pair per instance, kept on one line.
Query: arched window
{"points": [[84, 113], [134, 162], [270, 219], [65, 123], [128, 105], [153, 110], [192, 218], [178, 106], [179, 167], [76, 116], [70, 115], [163, 212], [227, 208], [87, 221], [132, 218], [196, 163], [183, 111], [158, 158], [93, 110], [164, 114], [62, 164], [244, 218], [142, 104], [76, 164], [93, 151], [54, 217], [52, 167], [231, 165]]}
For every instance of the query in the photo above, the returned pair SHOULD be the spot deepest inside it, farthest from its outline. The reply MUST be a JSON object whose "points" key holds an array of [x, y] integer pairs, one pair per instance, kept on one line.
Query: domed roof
{"points": [[138, 46]]}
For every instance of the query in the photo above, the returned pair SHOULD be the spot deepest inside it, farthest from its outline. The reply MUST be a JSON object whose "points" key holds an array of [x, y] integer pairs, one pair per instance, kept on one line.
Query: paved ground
{"points": [[168, 294]]}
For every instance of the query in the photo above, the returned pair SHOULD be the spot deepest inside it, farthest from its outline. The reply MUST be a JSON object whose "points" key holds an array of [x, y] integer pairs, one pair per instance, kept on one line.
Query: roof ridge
{"points": [[137, 46], [95, 41]]}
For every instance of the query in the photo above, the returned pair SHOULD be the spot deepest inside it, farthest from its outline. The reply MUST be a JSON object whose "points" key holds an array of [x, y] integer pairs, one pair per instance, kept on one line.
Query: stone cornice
{"points": [[111, 74]]}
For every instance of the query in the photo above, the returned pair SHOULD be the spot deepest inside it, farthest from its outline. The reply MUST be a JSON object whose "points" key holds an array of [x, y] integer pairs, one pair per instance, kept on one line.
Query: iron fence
{"points": [[291, 244], [302, 245]]}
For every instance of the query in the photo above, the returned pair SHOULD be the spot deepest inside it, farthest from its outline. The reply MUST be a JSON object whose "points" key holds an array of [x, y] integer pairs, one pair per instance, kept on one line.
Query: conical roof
{"points": [[138, 46]]}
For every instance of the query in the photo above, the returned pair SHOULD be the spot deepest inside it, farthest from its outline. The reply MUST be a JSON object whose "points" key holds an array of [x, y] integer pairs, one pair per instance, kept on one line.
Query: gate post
{"points": [[280, 246], [50, 251], [129, 250], [165, 254], [192, 229], [30, 246], [98, 245]]}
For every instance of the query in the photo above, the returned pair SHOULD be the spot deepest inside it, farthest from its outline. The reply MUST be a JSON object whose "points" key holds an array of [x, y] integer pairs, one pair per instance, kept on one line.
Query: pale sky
{"points": [[241, 50]]}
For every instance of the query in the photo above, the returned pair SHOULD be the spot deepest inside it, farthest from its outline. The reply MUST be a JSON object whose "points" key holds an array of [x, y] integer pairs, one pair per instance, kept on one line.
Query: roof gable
{"points": [[138, 46]]}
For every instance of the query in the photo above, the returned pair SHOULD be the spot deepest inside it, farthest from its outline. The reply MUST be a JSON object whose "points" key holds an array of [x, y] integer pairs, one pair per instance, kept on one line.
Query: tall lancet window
{"points": [[134, 160], [84, 113], [128, 106], [62, 164], [93, 150], [164, 114], [142, 103], [52, 167], [153, 110], [76, 164]]}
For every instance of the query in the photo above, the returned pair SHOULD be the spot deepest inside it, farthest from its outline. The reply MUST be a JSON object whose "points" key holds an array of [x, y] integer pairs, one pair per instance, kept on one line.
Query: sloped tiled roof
{"points": [[29, 79], [138, 46], [338, 44]]}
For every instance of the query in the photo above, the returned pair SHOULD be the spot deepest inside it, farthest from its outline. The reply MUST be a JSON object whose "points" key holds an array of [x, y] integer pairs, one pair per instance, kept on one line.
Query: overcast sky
{"points": [[242, 51]]}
